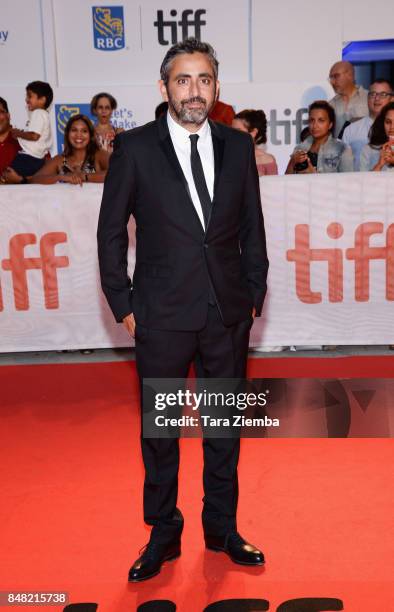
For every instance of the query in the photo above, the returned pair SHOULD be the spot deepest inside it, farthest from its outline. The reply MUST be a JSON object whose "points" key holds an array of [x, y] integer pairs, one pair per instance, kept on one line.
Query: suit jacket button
{"points": [[206, 246]]}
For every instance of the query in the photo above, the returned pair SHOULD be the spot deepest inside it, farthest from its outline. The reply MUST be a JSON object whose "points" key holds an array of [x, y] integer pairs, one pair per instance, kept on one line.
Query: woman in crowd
{"points": [[321, 152], [255, 123], [102, 107], [378, 155], [80, 162]]}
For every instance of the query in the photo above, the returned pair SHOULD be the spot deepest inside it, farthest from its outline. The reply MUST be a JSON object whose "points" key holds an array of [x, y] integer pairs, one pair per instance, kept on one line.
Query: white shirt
{"points": [[182, 145], [356, 108], [39, 123], [356, 135]]}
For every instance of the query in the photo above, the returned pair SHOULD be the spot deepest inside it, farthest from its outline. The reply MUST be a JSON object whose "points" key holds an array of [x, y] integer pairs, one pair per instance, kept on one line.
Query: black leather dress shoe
{"points": [[236, 548], [150, 562]]}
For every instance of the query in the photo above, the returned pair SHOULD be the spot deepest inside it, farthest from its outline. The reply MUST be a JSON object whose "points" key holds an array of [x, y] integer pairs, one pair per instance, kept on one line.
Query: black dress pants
{"points": [[222, 353]]}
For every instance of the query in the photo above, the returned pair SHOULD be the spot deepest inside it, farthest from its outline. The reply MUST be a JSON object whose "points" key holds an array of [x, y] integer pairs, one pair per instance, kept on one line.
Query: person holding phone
{"points": [[321, 152]]}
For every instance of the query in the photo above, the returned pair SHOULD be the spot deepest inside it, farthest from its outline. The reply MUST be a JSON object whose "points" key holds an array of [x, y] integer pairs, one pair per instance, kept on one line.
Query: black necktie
{"points": [[199, 179], [203, 194]]}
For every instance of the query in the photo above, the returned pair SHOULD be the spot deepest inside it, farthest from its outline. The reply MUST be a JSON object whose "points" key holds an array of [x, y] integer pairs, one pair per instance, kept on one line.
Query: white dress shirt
{"points": [[356, 108], [356, 135], [182, 145]]}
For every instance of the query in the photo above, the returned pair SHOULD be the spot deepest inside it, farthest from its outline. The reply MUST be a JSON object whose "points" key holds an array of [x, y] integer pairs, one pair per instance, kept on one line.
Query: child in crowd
{"points": [[36, 139]]}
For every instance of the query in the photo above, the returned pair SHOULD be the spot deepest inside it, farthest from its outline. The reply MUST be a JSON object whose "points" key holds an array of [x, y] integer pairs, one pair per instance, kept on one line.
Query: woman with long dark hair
{"points": [[255, 123], [80, 162], [320, 152], [378, 155]]}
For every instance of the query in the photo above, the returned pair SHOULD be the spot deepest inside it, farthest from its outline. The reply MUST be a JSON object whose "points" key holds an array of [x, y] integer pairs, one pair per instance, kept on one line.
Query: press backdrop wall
{"points": [[274, 56]]}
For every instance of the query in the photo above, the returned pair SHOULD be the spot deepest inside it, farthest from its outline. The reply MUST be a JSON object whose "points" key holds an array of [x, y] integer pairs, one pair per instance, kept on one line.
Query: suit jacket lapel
{"points": [[218, 143], [169, 151], [218, 151]]}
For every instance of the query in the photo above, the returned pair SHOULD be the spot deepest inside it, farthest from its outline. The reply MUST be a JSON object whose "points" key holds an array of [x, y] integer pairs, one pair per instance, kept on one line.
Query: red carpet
{"points": [[71, 516]]}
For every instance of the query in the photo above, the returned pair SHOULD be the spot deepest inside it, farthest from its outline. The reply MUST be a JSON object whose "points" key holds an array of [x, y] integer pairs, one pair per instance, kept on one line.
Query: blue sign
{"points": [[63, 113], [108, 28]]}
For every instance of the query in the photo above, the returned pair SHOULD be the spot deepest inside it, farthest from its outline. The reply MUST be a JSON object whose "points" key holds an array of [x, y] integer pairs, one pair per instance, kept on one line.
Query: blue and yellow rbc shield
{"points": [[108, 28]]}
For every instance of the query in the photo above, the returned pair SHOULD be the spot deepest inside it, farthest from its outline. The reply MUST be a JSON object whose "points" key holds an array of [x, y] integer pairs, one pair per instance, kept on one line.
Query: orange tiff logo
{"points": [[47, 262], [361, 253]]}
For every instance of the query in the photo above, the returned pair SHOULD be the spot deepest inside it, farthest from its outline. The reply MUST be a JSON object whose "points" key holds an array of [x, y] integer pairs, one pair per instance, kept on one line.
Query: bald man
{"points": [[351, 101]]}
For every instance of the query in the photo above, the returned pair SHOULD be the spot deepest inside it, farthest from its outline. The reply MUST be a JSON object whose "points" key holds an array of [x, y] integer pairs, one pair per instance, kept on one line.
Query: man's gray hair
{"points": [[190, 45]]}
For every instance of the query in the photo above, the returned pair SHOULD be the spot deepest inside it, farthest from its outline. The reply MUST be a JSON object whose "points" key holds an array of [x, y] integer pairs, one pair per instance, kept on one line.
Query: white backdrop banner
{"points": [[330, 244], [125, 43], [21, 44]]}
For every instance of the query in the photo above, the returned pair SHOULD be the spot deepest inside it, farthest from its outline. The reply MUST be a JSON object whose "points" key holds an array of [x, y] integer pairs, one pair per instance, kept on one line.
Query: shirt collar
{"points": [[181, 134], [358, 90]]}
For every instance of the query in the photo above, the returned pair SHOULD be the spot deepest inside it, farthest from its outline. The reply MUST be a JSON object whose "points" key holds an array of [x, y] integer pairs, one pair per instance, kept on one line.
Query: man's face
{"points": [[341, 78], [4, 120], [191, 90], [379, 95]]}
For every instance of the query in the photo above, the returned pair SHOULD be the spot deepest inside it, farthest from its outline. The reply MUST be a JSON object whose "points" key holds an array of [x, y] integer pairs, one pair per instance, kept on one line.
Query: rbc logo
{"points": [[108, 28], [63, 112]]}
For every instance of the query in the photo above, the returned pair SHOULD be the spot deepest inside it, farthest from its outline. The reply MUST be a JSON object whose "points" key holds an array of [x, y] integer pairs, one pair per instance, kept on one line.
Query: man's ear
{"points": [[163, 90], [217, 92]]}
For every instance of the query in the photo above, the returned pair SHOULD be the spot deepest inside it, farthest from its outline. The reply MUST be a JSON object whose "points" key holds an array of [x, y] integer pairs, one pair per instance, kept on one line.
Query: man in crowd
{"points": [[199, 280], [9, 146], [350, 102], [356, 134]]}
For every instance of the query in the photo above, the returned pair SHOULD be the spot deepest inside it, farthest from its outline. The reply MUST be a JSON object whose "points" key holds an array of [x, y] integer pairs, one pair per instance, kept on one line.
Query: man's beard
{"points": [[196, 116]]}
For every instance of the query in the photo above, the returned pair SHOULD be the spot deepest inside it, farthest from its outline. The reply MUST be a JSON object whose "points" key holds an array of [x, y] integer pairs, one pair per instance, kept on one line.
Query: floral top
{"points": [[86, 168]]}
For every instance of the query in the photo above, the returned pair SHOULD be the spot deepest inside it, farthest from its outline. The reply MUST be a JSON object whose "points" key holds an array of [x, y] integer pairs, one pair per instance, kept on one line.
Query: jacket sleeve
{"points": [[347, 162], [116, 207], [252, 236]]}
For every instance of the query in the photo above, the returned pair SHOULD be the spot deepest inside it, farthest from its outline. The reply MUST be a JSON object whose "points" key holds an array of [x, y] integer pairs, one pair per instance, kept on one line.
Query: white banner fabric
{"points": [[330, 244]]}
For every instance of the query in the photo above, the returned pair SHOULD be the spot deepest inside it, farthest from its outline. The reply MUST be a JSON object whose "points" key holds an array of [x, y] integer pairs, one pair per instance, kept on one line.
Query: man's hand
{"points": [[253, 313], [129, 323]]}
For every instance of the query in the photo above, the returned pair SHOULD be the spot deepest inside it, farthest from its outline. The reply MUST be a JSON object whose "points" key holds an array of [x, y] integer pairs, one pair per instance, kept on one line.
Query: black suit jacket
{"points": [[175, 258]]}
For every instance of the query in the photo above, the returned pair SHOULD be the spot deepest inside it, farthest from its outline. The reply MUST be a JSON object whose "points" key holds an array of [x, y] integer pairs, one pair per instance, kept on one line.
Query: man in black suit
{"points": [[199, 280]]}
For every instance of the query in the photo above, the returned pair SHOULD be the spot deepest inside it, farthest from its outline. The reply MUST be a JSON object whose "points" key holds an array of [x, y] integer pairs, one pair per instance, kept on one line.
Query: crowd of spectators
{"points": [[354, 131], [25, 154]]}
